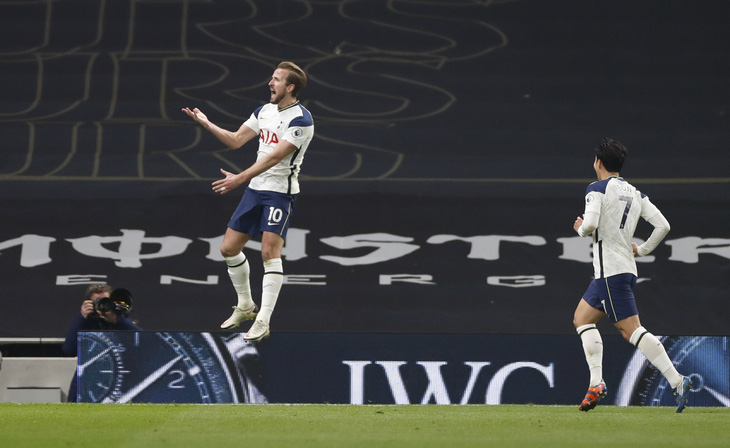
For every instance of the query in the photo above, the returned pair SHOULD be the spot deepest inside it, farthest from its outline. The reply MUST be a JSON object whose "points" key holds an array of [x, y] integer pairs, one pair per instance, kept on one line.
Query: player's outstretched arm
{"points": [[233, 140], [231, 180]]}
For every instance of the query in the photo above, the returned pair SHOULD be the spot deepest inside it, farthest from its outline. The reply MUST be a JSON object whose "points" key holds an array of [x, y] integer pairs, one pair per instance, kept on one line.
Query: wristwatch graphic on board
{"points": [[167, 367], [705, 359]]}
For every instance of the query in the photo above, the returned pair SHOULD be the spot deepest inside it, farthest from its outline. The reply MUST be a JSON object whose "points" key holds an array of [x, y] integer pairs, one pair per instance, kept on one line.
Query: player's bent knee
{"points": [[270, 254], [228, 251]]}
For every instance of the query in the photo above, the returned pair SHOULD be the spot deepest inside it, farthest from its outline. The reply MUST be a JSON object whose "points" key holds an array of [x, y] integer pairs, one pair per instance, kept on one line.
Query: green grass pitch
{"points": [[321, 426]]}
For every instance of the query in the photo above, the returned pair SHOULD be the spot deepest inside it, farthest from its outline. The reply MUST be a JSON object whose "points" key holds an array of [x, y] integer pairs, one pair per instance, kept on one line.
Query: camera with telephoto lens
{"points": [[104, 304], [119, 301]]}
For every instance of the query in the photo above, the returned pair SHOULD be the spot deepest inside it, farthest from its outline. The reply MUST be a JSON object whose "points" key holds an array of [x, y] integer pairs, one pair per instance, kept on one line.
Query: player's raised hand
{"points": [[197, 115]]}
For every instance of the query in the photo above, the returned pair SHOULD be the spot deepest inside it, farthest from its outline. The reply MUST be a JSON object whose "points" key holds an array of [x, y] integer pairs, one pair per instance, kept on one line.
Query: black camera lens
{"points": [[104, 304]]}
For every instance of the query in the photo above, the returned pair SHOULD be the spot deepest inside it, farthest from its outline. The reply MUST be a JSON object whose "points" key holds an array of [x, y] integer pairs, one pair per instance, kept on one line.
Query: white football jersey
{"points": [[294, 124], [619, 205]]}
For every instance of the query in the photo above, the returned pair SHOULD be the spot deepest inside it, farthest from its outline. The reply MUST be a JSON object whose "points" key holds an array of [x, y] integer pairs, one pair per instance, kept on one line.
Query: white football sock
{"points": [[238, 270], [273, 279], [593, 350], [654, 351]]}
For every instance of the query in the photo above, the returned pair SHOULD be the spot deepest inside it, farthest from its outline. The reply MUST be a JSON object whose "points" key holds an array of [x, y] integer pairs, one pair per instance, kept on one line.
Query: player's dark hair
{"points": [[612, 154], [296, 76]]}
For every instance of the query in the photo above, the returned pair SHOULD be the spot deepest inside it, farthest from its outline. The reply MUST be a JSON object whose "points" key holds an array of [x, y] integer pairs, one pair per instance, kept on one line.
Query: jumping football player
{"points": [[284, 129]]}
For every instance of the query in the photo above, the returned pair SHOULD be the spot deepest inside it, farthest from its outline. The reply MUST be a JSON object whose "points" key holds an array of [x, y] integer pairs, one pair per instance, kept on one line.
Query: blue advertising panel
{"points": [[192, 367], [123, 367]]}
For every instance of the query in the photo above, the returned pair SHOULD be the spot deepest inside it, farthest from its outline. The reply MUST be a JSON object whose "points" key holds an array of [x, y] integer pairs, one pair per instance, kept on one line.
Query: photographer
{"points": [[102, 309]]}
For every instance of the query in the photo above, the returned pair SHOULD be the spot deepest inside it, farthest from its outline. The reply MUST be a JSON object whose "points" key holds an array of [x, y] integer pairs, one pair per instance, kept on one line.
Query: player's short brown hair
{"points": [[296, 76]]}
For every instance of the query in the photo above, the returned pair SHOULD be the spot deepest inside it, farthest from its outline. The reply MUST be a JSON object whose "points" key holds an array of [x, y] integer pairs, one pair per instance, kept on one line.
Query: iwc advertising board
{"points": [[201, 367]]}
